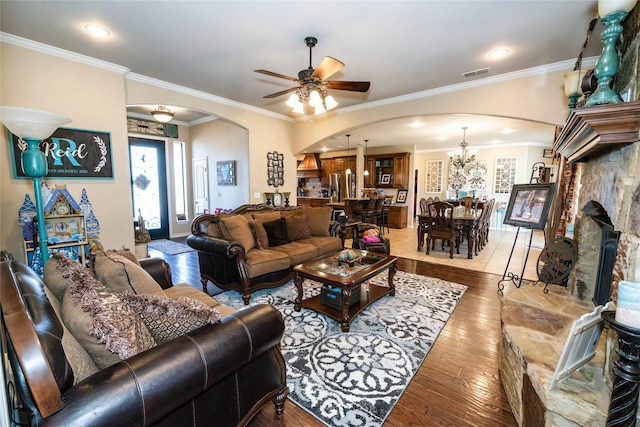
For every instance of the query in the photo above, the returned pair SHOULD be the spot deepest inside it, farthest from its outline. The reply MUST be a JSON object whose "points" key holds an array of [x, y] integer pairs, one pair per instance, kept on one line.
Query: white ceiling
{"points": [[401, 47]]}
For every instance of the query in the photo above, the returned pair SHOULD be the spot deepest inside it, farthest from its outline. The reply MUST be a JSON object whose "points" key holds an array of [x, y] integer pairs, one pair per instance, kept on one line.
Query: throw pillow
{"points": [[168, 318], [259, 234], [125, 253], [319, 219], [371, 239], [56, 278], [266, 216], [118, 274], [104, 325], [276, 232], [238, 227], [298, 227]]}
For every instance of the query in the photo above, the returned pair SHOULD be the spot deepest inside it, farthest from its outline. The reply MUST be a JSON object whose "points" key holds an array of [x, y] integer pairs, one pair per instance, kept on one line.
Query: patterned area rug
{"points": [[169, 247], [356, 378]]}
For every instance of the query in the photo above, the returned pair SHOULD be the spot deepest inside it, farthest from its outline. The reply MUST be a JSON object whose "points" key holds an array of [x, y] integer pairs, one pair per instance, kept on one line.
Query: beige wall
{"points": [[219, 140], [95, 99]]}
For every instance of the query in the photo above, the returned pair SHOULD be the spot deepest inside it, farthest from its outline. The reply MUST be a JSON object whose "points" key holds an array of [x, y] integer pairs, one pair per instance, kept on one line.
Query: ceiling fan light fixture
{"points": [[330, 102], [299, 108], [319, 109], [162, 114], [314, 98], [293, 101]]}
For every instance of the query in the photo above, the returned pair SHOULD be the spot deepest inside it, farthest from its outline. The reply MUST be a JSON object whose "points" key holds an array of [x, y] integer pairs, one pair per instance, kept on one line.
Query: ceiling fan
{"points": [[313, 84]]}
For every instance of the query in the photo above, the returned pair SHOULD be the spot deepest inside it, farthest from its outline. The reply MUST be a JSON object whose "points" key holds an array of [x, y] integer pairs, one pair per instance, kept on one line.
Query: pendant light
{"points": [[366, 171], [348, 171]]}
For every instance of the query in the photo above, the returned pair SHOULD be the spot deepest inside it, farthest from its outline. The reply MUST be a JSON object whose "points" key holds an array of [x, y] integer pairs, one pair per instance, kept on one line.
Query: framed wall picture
{"points": [[386, 179], [226, 172], [529, 205], [547, 153], [402, 196]]}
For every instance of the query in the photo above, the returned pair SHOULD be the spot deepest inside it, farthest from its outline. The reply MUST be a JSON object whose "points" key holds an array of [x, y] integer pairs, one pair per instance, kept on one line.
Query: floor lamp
{"points": [[33, 126]]}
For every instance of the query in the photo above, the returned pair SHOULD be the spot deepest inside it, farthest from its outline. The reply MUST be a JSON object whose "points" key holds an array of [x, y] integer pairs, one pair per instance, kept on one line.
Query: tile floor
{"points": [[492, 259]]}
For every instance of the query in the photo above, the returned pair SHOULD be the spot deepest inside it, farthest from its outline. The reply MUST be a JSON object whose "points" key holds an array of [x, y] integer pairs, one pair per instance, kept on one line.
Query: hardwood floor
{"points": [[457, 385]]}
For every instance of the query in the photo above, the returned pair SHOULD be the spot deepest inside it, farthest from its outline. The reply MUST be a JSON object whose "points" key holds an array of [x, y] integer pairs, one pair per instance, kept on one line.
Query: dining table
{"points": [[467, 222]]}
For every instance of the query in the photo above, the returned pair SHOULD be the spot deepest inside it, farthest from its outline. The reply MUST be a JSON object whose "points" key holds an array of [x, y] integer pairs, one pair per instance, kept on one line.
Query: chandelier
{"points": [[460, 158], [315, 94], [162, 114]]}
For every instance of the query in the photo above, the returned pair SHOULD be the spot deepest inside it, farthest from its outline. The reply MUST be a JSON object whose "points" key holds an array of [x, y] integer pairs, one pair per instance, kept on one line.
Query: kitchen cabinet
{"points": [[328, 167], [390, 170], [397, 217], [315, 202], [369, 180]]}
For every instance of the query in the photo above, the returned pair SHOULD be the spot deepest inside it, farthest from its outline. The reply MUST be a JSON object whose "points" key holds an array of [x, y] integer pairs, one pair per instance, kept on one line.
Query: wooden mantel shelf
{"points": [[589, 130]]}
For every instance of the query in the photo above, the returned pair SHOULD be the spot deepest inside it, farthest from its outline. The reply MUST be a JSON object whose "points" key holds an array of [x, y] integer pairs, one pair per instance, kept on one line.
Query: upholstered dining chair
{"points": [[442, 228]]}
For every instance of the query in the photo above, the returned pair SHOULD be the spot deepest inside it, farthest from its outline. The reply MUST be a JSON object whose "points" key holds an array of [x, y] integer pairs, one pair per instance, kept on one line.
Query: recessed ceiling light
{"points": [[507, 131], [498, 53], [442, 138], [416, 124], [97, 31]]}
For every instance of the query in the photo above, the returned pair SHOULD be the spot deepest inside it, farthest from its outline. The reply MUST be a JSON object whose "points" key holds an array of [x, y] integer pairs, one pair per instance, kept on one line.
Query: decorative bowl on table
{"points": [[349, 257]]}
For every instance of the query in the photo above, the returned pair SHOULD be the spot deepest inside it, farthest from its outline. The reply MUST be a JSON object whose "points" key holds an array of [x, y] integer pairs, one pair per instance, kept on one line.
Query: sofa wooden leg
{"points": [[246, 299], [204, 284], [279, 400]]}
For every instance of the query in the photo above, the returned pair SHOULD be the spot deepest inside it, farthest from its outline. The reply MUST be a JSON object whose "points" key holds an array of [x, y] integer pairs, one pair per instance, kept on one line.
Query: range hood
{"points": [[309, 167]]}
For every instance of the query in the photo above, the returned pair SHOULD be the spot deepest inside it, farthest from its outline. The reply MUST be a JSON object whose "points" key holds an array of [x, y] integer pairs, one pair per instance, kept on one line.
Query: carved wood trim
{"points": [[33, 361], [590, 130]]}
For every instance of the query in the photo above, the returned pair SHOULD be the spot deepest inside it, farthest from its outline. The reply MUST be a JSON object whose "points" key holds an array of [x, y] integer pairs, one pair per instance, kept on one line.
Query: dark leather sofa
{"points": [[220, 374], [229, 264]]}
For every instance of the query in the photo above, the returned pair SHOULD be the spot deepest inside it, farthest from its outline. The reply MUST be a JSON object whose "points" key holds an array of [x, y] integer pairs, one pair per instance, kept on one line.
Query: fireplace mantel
{"points": [[589, 130]]}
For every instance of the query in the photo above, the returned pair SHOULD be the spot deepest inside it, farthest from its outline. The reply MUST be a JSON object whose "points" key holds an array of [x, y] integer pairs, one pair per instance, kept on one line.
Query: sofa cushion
{"points": [[118, 274], [81, 363], [55, 278], [238, 227], [168, 318], [266, 261], [101, 322], [297, 227], [259, 234], [276, 232], [298, 252], [291, 212], [325, 245], [319, 219], [185, 290], [266, 216], [125, 253]]}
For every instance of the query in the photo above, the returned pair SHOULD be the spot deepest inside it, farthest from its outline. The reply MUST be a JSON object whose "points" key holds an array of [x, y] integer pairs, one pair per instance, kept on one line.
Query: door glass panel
{"points": [[149, 188]]}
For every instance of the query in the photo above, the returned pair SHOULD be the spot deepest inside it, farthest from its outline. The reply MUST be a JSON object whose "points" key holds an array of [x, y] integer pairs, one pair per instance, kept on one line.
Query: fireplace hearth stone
{"points": [[534, 329]]}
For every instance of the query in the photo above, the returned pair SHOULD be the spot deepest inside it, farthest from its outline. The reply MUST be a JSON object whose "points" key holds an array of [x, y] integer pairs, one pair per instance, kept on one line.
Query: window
{"points": [[180, 180], [504, 174], [433, 176]]}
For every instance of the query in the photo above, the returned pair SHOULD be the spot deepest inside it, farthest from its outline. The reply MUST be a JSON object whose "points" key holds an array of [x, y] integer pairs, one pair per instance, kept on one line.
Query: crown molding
{"points": [[203, 95], [534, 71], [62, 53]]}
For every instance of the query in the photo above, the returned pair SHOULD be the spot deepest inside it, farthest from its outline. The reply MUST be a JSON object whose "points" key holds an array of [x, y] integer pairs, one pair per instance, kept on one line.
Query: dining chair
{"points": [[442, 227], [423, 205], [485, 224]]}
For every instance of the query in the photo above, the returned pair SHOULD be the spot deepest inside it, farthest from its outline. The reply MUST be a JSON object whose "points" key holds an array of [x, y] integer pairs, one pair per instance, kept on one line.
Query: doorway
{"points": [[149, 185]]}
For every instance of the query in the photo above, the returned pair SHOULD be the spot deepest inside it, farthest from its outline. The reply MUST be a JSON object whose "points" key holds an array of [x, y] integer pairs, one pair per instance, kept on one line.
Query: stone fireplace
{"points": [[603, 141]]}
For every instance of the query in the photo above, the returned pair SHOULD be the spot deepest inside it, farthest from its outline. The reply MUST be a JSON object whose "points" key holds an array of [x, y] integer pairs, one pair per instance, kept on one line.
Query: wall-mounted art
{"points": [[226, 172], [275, 168], [70, 153]]}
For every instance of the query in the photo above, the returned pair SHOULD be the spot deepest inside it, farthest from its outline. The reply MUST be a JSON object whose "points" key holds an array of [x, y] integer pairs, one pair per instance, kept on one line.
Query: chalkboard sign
{"points": [[71, 153]]}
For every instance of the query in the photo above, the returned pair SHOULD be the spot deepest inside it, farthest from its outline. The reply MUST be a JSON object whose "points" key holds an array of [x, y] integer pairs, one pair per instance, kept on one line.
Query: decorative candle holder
{"points": [[286, 197], [268, 196], [607, 65]]}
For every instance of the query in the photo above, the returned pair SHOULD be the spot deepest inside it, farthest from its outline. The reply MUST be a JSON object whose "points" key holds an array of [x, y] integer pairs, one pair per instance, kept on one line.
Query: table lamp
{"points": [[33, 126]]}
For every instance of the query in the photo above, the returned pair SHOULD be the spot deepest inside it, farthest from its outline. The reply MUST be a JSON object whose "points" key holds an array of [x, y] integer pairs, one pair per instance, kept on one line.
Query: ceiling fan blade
{"points": [[271, 73], [352, 86], [282, 92], [328, 67]]}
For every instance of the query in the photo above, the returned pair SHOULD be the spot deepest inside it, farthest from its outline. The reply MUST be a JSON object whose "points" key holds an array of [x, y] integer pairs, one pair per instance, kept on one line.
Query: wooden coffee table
{"points": [[330, 271]]}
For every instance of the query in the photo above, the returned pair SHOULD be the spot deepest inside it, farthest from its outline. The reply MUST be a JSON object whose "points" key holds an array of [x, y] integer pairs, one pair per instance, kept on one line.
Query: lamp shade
{"points": [[605, 7], [27, 123], [573, 82]]}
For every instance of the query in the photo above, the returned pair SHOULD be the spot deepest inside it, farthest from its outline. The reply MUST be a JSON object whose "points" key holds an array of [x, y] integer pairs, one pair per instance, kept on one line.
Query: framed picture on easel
{"points": [[529, 205]]}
